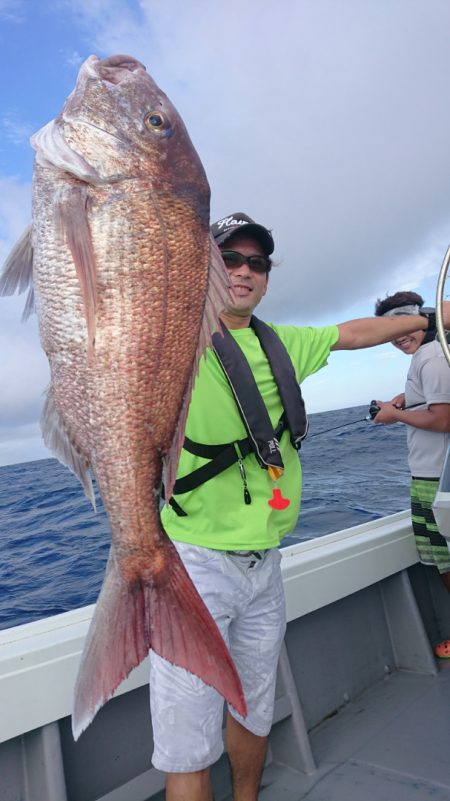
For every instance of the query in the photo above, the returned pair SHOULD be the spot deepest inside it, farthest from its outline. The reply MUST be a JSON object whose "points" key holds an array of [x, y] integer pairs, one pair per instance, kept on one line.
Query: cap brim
{"points": [[254, 230]]}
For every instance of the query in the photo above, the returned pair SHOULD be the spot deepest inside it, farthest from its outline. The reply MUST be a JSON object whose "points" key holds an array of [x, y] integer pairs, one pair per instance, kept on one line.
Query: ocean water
{"points": [[53, 546]]}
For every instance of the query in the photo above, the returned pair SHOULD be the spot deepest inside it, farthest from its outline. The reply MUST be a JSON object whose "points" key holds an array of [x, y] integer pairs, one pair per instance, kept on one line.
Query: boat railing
{"points": [[39, 660]]}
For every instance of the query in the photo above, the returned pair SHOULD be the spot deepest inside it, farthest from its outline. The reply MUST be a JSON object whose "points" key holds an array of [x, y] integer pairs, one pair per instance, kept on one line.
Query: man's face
{"points": [[249, 287], [409, 343]]}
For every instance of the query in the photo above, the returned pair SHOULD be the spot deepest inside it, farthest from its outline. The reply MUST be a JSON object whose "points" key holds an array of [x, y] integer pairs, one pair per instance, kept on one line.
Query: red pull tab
{"points": [[277, 501]]}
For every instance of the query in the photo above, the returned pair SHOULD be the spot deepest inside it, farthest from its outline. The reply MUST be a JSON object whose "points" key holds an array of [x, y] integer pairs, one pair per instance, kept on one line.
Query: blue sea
{"points": [[53, 546]]}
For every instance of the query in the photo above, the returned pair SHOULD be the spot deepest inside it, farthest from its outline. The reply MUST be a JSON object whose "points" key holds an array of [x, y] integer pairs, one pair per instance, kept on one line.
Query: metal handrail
{"points": [[439, 301]]}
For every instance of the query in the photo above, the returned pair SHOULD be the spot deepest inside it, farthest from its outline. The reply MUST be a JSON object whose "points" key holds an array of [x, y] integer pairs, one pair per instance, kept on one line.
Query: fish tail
{"points": [[165, 614]]}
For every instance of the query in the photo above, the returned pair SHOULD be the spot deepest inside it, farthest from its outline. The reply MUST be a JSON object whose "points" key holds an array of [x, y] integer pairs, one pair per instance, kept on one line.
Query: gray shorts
{"points": [[246, 599]]}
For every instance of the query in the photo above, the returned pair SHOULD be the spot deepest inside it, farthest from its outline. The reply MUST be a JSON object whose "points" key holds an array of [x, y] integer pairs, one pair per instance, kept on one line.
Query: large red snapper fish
{"points": [[127, 284]]}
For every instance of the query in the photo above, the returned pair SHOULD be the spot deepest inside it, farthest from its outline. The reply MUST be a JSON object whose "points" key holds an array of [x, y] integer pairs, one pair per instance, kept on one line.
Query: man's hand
{"points": [[388, 411], [435, 417], [399, 401]]}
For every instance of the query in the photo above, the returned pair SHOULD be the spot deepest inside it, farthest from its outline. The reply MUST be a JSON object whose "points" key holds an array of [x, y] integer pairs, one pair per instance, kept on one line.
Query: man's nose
{"points": [[244, 269]]}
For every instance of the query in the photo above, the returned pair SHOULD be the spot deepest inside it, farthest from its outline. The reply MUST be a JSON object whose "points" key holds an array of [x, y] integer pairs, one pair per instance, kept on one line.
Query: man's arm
{"points": [[435, 418], [369, 331]]}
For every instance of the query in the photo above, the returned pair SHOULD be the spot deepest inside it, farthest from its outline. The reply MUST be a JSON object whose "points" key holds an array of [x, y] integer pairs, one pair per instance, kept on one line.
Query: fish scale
{"points": [[128, 286]]}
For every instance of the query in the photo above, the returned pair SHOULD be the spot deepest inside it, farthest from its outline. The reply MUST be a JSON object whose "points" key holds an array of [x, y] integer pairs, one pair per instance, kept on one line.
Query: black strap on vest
{"points": [[285, 379], [262, 439], [255, 417]]}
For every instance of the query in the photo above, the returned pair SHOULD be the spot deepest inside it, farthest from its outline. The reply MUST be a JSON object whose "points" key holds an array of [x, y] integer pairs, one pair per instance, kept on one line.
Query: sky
{"points": [[325, 120]]}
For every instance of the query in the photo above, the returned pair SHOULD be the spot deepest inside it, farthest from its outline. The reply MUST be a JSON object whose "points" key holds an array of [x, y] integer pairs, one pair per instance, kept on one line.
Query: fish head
{"points": [[117, 124]]}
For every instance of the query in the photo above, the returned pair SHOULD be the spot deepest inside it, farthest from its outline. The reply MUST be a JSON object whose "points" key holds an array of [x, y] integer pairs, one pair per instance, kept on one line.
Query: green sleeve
{"points": [[308, 347]]}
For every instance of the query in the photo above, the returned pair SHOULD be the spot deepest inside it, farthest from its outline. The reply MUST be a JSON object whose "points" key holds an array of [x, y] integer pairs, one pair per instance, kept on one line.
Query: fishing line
{"points": [[373, 411], [333, 428]]}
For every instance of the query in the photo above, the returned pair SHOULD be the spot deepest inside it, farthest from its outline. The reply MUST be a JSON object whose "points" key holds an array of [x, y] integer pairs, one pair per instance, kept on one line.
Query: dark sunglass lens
{"points": [[231, 258], [258, 263]]}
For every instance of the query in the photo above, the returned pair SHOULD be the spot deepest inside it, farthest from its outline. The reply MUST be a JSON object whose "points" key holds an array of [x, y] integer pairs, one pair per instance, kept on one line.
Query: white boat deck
{"points": [[362, 707], [391, 744]]}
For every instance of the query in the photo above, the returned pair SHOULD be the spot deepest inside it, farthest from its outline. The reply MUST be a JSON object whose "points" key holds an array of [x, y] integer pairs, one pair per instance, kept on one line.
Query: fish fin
{"points": [[17, 274], [166, 614], [53, 151], [217, 297], [29, 307], [72, 220], [58, 441]]}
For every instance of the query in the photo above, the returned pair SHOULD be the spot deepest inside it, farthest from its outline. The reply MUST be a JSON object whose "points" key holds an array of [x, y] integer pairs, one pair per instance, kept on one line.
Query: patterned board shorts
{"points": [[245, 596], [431, 545]]}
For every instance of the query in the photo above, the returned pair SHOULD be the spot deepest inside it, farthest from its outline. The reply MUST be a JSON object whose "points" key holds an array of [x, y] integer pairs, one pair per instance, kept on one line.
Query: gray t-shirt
{"points": [[428, 382]]}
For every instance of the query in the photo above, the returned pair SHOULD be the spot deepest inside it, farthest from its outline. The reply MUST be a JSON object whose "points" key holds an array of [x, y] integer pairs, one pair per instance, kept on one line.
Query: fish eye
{"points": [[155, 121]]}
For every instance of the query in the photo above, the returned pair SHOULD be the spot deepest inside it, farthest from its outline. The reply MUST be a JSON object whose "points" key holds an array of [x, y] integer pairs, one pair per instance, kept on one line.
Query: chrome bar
{"points": [[439, 301]]}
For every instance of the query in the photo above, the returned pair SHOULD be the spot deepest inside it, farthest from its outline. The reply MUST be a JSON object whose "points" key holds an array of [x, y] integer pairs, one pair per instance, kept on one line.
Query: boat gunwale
{"points": [[39, 660]]}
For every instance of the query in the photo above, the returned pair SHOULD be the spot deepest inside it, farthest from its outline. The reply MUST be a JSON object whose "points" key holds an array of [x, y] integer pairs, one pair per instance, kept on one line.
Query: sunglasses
{"points": [[259, 264]]}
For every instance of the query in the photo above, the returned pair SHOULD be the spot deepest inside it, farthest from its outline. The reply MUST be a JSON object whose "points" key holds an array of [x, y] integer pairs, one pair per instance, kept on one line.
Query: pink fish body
{"points": [[127, 285]]}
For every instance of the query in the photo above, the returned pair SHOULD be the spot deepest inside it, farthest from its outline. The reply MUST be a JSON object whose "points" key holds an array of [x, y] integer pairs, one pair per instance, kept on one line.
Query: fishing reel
{"points": [[373, 410]]}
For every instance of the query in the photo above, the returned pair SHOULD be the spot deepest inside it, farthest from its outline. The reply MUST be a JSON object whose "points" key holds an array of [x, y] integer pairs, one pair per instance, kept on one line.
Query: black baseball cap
{"points": [[232, 224]]}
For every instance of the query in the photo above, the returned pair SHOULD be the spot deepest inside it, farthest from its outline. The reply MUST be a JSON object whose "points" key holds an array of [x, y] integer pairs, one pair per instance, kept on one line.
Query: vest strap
{"points": [[220, 462], [285, 379], [221, 456], [262, 439]]}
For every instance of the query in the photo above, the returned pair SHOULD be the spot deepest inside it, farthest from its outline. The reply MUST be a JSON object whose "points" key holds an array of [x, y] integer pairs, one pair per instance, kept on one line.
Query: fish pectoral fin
{"points": [[29, 307], [58, 441], [218, 294], [17, 274], [52, 151], [72, 220], [161, 611], [217, 297]]}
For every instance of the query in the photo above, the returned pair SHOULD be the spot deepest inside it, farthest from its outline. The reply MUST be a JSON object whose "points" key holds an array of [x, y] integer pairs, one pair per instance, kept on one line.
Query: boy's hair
{"points": [[394, 301]]}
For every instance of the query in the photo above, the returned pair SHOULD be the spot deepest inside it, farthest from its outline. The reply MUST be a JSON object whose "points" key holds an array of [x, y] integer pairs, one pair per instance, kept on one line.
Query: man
{"points": [[425, 408], [227, 522]]}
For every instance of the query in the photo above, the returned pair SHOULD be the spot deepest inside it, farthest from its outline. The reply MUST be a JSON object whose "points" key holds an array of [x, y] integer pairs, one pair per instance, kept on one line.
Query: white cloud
{"points": [[22, 444], [15, 129], [24, 369], [335, 135], [12, 10], [24, 374], [388, 354], [15, 212], [72, 58], [328, 121]]}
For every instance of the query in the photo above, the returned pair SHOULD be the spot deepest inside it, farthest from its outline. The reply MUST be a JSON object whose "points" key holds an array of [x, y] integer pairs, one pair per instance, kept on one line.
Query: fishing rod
{"points": [[373, 411]]}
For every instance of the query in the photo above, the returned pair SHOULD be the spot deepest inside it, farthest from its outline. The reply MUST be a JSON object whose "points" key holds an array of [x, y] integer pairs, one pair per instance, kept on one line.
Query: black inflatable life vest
{"points": [[262, 439]]}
